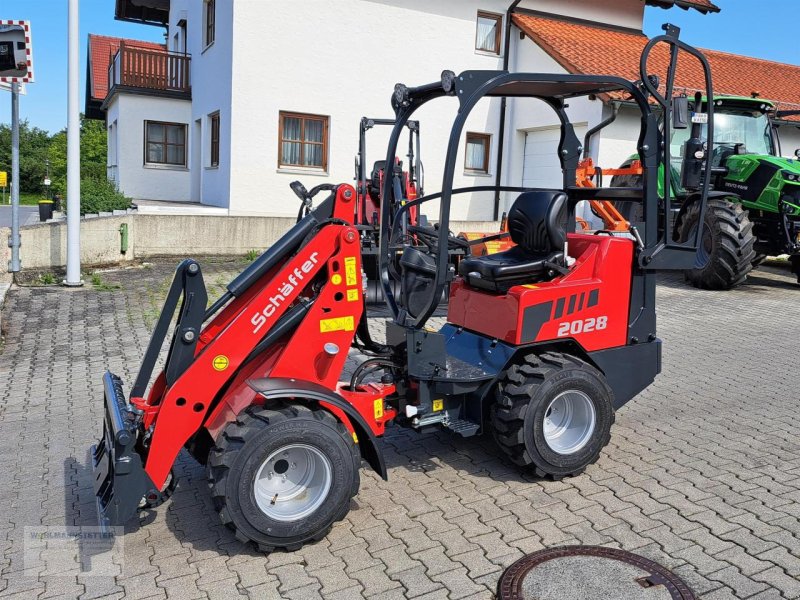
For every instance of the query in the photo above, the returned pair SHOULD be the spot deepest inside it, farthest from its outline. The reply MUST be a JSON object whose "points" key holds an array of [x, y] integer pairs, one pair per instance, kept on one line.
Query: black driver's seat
{"points": [[537, 223]]}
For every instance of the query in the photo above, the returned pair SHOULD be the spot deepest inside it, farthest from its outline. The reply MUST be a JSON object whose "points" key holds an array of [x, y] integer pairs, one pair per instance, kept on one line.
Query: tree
{"points": [[36, 147], [93, 154], [33, 144]]}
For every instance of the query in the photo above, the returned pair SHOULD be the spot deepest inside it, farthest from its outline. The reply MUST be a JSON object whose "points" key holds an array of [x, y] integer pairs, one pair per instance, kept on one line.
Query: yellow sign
{"points": [[336, 279], [378, 407], [438, 405], [220, 363], [352, 295], [3, 179], [350, 270], [336, 324]]}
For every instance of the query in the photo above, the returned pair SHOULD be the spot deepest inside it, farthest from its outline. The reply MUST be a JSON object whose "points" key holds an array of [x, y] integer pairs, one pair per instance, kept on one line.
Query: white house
{"points": [[246, 97]]}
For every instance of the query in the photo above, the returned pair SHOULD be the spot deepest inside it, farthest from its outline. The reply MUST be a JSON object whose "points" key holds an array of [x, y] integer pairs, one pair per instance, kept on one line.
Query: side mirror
{"points": [[14, 51], [797, 153], [680, 112]]}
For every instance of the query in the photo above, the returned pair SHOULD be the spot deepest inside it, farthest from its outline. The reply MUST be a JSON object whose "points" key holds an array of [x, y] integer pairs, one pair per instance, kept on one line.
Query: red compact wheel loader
{"points": [[253, 386]]}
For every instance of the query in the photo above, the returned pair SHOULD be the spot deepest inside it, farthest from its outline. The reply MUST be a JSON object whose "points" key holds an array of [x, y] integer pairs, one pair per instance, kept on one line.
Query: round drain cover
{"points": [[589, 572]]}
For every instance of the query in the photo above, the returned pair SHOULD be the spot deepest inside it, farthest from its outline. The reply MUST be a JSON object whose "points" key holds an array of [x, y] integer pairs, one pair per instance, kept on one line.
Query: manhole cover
{"points": [[589, 572]]}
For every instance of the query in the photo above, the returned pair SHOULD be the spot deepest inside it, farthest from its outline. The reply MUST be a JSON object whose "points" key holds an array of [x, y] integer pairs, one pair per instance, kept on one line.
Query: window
{"points": [[209, 19], [303, 141], [487, 38], [165, 143], [214, 119], [476, 158]]}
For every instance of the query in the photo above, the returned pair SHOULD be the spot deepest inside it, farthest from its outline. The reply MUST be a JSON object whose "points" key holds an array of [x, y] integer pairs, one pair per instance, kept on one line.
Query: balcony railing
{"points": [[149, 69]]}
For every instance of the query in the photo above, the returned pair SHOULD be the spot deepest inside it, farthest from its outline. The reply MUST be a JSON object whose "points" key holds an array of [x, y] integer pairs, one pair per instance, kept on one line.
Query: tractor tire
{"points": [[302, 453], [553, 414], [725, 254]]}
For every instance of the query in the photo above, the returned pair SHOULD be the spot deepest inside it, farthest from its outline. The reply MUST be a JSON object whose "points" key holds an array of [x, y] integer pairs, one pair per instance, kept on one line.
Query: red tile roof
{"points": [[704, 6], [101, 49], [588, 49]]}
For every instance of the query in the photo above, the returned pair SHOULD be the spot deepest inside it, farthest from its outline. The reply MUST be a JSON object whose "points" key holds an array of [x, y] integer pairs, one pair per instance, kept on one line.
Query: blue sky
{"points": [[45, 104], [739, 28]]}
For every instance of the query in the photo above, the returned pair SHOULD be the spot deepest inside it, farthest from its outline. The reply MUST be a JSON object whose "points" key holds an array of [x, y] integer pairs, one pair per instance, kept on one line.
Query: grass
{"points": [[47, 279], [99, 284], [252, 255]]}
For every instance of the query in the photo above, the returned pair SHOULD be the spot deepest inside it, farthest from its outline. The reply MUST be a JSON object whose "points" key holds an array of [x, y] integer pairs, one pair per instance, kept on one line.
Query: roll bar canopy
{"points": [[470, 87]]}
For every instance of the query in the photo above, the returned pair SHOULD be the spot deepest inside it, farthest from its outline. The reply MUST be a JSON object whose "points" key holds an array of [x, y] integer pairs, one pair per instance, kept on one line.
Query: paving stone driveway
{"points": [[702, 474]]}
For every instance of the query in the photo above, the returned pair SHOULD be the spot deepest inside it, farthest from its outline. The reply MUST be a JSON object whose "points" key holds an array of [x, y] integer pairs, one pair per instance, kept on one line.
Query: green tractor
{"points": [[754, 209]]}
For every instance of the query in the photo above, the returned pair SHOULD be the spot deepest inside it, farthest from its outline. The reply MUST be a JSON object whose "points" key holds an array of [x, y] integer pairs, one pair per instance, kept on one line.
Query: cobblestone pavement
{"points": [[702, 474]]}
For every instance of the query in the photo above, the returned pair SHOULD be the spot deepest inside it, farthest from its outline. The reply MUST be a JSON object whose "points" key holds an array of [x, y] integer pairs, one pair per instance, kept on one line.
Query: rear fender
{"points": [[278, 388]]}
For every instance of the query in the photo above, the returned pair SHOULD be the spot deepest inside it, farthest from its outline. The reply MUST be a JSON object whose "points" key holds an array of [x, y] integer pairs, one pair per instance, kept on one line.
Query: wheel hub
{"points": [[292, 482], [569, 422]]}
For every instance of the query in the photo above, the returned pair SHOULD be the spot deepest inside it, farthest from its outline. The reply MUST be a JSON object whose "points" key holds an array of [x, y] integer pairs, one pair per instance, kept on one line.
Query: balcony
{"points": [[151, 71]]}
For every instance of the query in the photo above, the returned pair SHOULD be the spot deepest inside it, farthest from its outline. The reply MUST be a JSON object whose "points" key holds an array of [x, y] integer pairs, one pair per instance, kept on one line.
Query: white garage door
{"points": [[541, 167]]}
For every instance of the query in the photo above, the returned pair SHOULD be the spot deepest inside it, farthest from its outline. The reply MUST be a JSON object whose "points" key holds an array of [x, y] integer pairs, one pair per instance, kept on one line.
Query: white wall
{"points": [[526, 114], [790, 140], [339, 59], [211, 80], [623, 13], [135, 179], [618, 141], [342, 59]]}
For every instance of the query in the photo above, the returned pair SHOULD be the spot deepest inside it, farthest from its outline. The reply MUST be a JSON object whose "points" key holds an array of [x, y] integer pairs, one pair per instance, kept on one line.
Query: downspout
{"points": [[501, 134], [590, 134]]}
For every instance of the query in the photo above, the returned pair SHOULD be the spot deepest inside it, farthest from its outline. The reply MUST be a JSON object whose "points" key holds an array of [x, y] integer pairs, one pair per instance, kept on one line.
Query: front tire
{"points": [[725, 255], [281, 476], [553, 413]]}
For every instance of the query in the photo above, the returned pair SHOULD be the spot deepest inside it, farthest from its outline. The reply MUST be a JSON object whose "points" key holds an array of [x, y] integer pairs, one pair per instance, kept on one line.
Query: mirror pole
{"points": [[14, 266]]}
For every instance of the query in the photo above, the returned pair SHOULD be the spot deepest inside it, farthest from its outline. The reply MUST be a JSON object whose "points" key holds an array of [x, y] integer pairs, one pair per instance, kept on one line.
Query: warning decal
{"points": [[336, 324]]}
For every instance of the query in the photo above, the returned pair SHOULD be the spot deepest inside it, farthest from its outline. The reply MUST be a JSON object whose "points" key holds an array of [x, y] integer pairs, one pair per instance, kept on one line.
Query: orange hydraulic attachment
{"points": [[605, 209], [490, 246]]}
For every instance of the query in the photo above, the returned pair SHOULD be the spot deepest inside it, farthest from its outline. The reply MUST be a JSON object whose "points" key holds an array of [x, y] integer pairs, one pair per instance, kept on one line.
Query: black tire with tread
{"points": [[732, 254], [249, 440], [522, 396]]}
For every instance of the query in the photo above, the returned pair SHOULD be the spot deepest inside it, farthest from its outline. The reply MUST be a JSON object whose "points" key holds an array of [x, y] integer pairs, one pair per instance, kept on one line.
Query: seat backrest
{"points": [[537, 221]]}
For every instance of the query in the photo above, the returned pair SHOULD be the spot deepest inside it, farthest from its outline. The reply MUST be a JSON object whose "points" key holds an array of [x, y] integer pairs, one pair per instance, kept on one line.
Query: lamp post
{"points": [[73, 153]]}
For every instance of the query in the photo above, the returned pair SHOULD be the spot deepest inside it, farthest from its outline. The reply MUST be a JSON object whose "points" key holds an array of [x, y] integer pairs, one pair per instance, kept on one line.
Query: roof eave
{"points": [[686, 5]]}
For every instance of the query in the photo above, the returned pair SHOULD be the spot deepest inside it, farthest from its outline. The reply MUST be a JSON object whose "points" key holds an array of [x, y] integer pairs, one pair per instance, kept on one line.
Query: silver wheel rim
{"points": [[293, 482], [569, 422]]}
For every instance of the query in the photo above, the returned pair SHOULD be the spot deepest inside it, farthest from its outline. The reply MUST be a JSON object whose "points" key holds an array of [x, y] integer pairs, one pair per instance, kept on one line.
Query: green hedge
{"points": [[101, 195]]}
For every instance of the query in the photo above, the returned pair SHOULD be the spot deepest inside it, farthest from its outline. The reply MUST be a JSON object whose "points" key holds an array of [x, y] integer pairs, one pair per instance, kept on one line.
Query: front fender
{"points": [[275, 388]]}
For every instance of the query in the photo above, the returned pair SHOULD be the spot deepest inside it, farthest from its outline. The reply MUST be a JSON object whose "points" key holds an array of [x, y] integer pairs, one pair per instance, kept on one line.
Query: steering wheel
{"points": [[430, 237]]}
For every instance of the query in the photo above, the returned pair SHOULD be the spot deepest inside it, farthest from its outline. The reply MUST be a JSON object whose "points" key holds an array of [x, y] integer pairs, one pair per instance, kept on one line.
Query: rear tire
{"points": [[281, 476], [725, 255], [553, 413]]}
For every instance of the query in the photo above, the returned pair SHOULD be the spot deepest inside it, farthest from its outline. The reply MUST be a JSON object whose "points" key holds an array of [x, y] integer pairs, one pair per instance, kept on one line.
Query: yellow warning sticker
{"points": [[355, 437], [336, 324], [336, 279], [438, 405], [350, 270], [378, 407], [352, 295], [220, 363]]}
